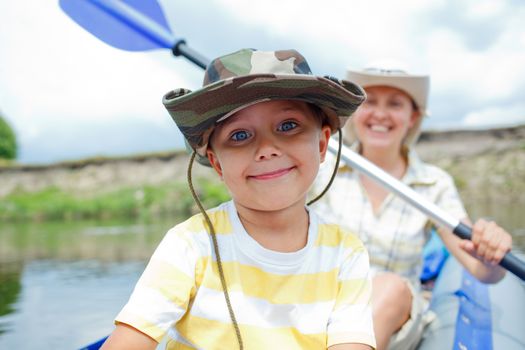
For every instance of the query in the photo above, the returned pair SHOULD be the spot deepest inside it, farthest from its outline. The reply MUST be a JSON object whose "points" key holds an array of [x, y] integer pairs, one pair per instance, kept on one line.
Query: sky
{"points": [[69, 96]]}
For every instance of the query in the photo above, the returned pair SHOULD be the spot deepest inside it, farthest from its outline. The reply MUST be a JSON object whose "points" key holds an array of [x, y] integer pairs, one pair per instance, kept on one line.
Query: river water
{"points": [[61, 284]]}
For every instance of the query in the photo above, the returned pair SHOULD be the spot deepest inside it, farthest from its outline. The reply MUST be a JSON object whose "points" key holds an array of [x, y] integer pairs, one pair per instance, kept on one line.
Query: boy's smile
{"points": [[271, 174], [268, 154]]}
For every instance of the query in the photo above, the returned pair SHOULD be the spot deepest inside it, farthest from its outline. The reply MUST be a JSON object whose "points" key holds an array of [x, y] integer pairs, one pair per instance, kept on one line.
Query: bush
{"points": [[169, 200], [8, 149]]}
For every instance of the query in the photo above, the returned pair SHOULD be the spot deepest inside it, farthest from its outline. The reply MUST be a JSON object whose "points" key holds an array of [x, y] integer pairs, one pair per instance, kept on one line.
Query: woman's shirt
{"points": [[396, 233]]}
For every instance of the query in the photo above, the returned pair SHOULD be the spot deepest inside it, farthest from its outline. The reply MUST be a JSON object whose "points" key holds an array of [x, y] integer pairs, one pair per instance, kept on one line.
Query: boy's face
{"points": [[268, 154]]}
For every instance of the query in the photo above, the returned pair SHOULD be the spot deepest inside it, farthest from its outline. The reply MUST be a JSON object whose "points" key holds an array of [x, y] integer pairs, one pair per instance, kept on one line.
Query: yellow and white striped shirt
{"points": [[309, 299]]}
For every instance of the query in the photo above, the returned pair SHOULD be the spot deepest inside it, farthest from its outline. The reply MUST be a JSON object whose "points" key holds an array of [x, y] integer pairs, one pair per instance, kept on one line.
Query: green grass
{"points": [[460, 182], [168, 200]]}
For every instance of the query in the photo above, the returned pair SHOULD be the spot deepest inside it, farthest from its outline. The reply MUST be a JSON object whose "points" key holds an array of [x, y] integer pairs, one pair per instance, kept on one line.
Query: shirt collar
{"points": [[417, 173]]}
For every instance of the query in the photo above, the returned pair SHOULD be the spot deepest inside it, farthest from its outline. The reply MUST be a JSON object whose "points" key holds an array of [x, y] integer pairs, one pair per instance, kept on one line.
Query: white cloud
{"points": [[484, 9], [496, 116], [487, 76], [56, 75], [357, 29], [60, 71]]}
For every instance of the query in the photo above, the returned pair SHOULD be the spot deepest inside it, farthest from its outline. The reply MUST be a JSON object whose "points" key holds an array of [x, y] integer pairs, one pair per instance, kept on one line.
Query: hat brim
{"points": [[196, 113], [416, 86]]}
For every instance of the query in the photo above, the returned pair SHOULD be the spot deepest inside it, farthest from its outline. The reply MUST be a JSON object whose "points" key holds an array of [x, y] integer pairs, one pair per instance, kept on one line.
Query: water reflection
{"points": [[64, 283], [109, 241], [68, 305], [10, 287]]}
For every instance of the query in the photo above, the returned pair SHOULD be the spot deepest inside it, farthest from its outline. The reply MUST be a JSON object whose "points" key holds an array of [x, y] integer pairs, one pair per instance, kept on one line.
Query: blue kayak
{"points": [[471, 315]]}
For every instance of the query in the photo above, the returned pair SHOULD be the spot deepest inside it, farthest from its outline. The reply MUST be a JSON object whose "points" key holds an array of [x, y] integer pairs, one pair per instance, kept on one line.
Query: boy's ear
{"points": [[214, 161], [324, 138]]}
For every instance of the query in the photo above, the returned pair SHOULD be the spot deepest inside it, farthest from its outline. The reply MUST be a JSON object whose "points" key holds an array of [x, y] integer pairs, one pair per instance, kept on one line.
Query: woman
{"points": [[383, 130]]}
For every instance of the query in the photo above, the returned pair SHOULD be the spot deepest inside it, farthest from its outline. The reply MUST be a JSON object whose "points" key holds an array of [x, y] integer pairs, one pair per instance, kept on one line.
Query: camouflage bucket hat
{"points": [[245, 77]]}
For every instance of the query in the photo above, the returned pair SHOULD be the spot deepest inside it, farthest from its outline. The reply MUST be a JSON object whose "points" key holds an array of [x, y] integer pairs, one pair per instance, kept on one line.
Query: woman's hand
{"points": [[489, 242]]}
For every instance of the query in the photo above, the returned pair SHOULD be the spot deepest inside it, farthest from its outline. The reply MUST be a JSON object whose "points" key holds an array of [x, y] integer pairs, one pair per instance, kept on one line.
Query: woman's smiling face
{"points": [[268, 154], [384, 119]]}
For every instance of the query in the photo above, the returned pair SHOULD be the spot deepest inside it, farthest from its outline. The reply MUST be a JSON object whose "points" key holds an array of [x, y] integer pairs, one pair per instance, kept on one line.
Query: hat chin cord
{"points": [[213, 235], [334, 172]]}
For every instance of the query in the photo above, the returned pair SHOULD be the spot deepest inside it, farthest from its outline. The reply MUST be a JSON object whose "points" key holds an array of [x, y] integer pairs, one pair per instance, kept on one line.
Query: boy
{"points": [[260, 271]]}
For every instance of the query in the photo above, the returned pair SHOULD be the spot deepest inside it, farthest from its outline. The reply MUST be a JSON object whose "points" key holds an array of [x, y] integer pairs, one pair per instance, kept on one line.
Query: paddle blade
{"points": [[131, 25]]}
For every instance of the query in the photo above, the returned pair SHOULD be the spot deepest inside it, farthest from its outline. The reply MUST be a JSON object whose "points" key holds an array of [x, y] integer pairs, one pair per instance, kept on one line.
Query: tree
{"points": [[8, 147]]}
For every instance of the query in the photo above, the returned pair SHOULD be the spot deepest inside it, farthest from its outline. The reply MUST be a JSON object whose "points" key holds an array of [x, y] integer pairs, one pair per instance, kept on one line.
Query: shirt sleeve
{"points": [[163, 292], [351, 318]]}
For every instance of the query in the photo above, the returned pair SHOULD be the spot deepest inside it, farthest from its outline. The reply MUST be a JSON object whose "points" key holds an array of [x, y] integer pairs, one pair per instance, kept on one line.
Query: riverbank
{"points": [[487, 165], [135, 187]]}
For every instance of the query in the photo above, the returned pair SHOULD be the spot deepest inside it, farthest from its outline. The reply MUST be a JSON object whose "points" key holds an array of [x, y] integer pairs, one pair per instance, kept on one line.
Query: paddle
{"points": [[137, 25]]}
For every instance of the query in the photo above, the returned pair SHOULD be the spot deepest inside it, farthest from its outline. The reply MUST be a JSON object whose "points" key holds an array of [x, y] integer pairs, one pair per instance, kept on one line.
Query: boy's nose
{"points": [[267, 149]]}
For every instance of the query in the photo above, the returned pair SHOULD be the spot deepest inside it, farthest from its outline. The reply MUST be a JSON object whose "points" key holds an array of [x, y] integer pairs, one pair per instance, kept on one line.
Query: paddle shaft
{"points": [[165, 39], [181, 49]]}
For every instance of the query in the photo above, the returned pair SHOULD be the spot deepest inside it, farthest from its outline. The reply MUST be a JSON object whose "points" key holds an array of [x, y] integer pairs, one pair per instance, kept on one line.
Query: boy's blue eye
{"points": [[287, 126], [240, 135]]}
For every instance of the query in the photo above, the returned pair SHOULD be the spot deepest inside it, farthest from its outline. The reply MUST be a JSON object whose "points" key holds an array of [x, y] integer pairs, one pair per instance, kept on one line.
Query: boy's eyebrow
{"points": [[285, 109], [280, 110], [292, 108]]}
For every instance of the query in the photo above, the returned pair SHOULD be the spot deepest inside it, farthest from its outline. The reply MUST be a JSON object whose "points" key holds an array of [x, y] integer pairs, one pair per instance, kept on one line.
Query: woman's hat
{"points": [[390, 73], [243, 78], [394, 74]]}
